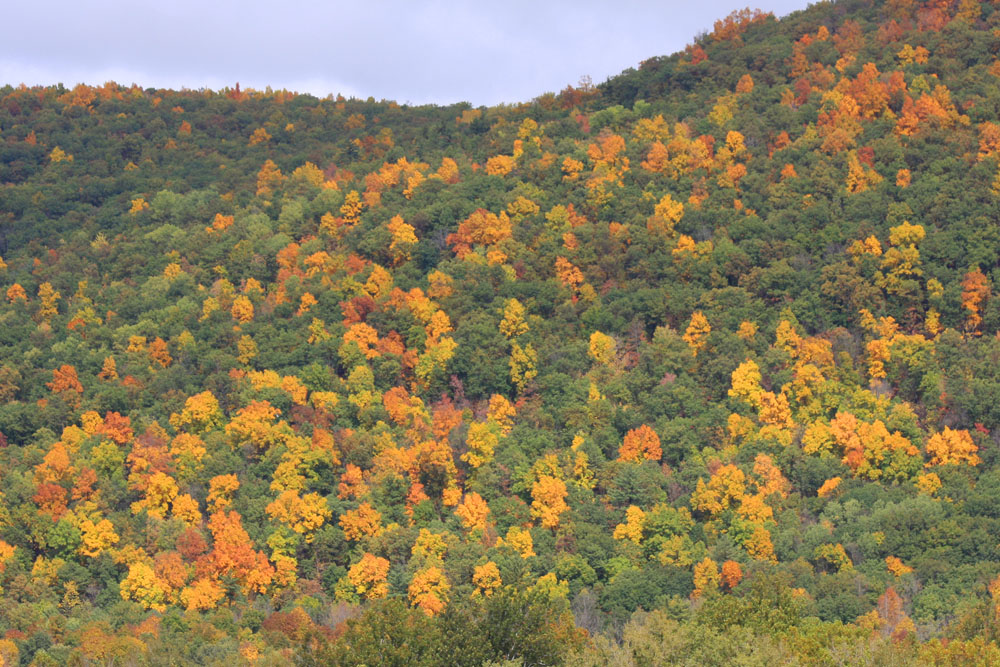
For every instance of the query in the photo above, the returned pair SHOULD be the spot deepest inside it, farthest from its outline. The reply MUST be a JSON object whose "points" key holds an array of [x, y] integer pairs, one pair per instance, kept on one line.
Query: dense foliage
{"points": [[697, 365]]}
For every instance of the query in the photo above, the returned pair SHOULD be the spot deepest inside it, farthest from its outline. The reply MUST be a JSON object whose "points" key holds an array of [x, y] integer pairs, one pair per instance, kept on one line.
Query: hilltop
{"points": [[701, 358]]}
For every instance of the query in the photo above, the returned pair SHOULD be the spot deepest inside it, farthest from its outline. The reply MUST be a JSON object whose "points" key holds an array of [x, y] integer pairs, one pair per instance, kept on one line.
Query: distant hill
{"points": [[699, 362]]}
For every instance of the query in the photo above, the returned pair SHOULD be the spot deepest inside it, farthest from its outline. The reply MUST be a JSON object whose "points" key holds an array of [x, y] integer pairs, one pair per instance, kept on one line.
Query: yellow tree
{"points": [[519, 539], [726, 487], [246, 349], [268, 179], [759, 546], [403, 239], [635, 522], [221, 489], [255, 425], [500, 165], [161, 489], [501, 413], [430, 546], [473, 511], [696, 335], [48, 298], [666, 214], [350, 210], [482, 440], [448, 171], [548, 502], [143, 586], [952, 446], [640, 444], [259, 136], [828, 487], [361, 523], [109, 370], [201, 413], [96, 538], [6, 553], [860, 177], [745, 382], [486, 578], [59, 155], [900, 265], [602, 348], [303, 514], [242, 309], [706, 577], [364, 336], [368, 577], [975, 290], [523, 365], [480, 228], [774, 409], [513, 325], [186, 509], [203, 594], [429, 590], [306, 302], [870, 450]]}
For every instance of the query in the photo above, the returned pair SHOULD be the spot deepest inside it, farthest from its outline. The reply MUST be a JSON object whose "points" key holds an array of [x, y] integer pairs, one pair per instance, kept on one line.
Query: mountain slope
{"points": [[714, 338]]}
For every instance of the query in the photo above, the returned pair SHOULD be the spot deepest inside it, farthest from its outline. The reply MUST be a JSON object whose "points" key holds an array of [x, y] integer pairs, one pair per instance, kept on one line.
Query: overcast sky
{"points": [[422, 51]]}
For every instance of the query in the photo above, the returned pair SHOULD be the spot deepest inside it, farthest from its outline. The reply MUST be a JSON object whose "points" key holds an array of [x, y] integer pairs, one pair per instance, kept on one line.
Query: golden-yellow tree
{"points": [[696, 334], [368, 577], [428, 591], [640, 444], [548, 502]]}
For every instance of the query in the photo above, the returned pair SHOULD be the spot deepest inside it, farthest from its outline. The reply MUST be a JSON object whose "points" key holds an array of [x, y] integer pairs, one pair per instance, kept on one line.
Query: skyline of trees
{"points": [[698, 362]]}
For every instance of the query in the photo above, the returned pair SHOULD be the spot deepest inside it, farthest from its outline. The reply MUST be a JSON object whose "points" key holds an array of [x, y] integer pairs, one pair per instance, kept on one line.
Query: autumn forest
{"points": [[699, 365]]}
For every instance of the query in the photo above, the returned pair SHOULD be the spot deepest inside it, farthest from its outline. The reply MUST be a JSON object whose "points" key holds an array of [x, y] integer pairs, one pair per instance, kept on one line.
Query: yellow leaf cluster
{"points": [[201, 413], [952, 446], [513, 323], [828, 487], [96, 538], [428, 590], [640, 444], [635, 521], [725, 488], [706, 577], [303, 514], [519, 539], [500, 165], [473, 512], [666, 214], [523, 365], [368, 577], [548, 502], [602, 348], [429, 546], [486, 578], [696, 334], [361, 523], [896, 566]]}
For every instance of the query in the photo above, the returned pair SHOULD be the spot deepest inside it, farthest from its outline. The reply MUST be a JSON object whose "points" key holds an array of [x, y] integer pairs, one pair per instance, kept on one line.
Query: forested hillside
{"points": [[700, 364]]}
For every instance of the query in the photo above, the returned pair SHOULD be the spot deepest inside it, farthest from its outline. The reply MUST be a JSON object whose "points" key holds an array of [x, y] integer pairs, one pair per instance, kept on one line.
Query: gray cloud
{"points": [[417, 52]]}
